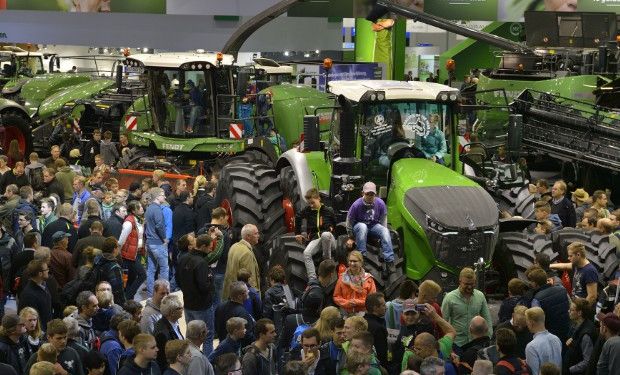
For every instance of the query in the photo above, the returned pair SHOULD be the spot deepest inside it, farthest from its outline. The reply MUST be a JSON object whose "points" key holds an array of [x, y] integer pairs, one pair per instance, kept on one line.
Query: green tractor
{"points": [[440, 220]]}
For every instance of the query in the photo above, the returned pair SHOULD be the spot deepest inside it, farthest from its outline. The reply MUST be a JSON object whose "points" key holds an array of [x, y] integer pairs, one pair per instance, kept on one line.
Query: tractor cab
{"points": [[263, 73], [399, 119], [16, 64], [183, 89]]}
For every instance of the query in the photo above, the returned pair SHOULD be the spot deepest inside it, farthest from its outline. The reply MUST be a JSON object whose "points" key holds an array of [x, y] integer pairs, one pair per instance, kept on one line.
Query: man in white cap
{"points": [[368, 215]]}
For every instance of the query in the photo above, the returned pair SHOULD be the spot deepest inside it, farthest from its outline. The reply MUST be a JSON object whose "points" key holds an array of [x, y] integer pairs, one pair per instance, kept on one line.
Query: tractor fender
{"points": [[9, 105], [297, 160]]}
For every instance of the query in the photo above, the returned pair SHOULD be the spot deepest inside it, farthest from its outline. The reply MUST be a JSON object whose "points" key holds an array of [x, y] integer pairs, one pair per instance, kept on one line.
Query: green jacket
{"points": [[65, 176]]}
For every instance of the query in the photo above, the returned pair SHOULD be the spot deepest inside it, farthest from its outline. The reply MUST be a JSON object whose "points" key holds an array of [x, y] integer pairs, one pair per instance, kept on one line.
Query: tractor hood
{"points": [[40, 87], [461, 208], [53, 104], [14, 85]]}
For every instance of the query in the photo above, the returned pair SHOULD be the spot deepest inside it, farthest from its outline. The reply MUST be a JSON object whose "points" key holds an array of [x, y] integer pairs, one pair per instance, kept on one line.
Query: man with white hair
{"points": [[196, 333], [167, 328], [240, 256]]}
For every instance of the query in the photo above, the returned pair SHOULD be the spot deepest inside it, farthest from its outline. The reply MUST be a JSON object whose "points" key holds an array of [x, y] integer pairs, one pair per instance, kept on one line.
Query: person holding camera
{"points": [[320, 223]]}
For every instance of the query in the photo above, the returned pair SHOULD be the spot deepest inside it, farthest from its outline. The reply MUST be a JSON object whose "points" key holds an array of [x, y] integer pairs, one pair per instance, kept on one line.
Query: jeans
{"points": [[157, 260], [207, 316], [361, 231], [135, 276], [218, 281], [327, 243]]}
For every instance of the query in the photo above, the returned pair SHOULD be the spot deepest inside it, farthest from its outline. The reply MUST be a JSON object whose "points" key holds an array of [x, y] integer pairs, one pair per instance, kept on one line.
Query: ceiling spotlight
{"points": [[286, 53], [317, 51], [200, 50], [306, 54]]}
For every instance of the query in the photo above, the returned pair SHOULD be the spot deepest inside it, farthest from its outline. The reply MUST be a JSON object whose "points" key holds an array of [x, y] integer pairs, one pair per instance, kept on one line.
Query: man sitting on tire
{"points": [[368, 215], [320, 222]]}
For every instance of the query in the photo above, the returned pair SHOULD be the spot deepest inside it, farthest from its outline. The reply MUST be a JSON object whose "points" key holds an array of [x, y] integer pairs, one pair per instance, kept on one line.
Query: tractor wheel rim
{"points": [[226, 206], [289, 214]]}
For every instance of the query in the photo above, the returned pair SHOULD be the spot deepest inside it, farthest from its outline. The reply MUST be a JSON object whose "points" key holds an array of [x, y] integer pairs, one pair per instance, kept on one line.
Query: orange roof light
{"points": [[126, 52], [450, 65], [219, 56], [328, 63]]}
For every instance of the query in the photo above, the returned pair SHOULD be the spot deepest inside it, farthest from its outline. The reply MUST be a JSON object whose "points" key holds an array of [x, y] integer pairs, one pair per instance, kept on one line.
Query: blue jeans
{"points": [[218, 281], [361, 231], [157, 260], [208, 317]]}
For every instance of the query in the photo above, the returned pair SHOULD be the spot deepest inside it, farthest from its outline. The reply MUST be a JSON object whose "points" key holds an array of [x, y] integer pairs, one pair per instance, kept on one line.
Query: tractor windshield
{"points": [[30, 65], [183, 102], [414, 123]]}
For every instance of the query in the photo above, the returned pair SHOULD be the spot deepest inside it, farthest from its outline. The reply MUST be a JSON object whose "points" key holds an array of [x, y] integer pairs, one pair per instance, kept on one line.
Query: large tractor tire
{"points": [[516, 253], [131, 158], [15, 126], [251, 194], [599, 251], [251, 156]]}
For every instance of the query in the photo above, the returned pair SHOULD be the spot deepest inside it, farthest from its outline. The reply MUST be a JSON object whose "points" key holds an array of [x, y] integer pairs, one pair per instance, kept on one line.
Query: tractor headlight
{"points": [[381, 95], [453, 97], [373, 97]]}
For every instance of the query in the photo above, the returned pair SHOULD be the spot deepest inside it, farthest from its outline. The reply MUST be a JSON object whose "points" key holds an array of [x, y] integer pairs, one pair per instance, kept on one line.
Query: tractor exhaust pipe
{"points": [[347, 128]]}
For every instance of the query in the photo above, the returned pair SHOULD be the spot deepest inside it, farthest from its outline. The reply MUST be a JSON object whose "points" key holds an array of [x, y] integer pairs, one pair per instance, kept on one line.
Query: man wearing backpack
{"points": [[295, 324], [109, 270], [34, 171], [509, 363]]}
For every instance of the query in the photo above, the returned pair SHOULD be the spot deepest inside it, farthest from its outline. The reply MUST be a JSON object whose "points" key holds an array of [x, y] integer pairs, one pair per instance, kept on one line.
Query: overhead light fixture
{"points": [[317, 51], [306, 55], [286, 53], [200, 50]]}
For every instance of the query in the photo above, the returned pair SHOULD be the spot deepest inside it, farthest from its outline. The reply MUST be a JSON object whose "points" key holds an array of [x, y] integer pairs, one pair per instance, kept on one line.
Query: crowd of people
{"points": [[79, 255]]}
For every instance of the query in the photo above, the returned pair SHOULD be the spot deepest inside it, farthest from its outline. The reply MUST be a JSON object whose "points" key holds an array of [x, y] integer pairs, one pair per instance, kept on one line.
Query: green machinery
{"points": [[441, 220], [16, 66]]}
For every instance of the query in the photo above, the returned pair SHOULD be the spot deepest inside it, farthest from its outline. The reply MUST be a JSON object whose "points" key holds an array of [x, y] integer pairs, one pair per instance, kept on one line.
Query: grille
{"points": [[461, 249]]}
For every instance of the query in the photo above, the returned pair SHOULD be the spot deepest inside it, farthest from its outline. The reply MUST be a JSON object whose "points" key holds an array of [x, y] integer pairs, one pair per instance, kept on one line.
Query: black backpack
{"points": [[89, 281], [35, 177]]}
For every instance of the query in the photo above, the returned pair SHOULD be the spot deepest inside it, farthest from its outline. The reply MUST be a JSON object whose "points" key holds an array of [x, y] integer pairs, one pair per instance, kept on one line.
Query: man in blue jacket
{"points": [[156, 239], [368, 215]]}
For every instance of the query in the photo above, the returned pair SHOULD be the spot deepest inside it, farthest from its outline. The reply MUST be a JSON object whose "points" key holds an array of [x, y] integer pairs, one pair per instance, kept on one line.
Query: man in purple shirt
{"points": [[368, 215]]}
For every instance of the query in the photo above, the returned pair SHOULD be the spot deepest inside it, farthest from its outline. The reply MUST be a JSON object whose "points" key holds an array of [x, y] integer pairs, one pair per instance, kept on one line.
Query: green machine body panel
{"points": [[40, 87], [51, 105]]}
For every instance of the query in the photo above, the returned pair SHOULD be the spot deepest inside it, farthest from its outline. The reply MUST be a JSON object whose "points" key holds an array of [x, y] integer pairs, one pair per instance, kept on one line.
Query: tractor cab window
{"points": [[30, 65], [389, 128], [7, 65], [182, 102]]}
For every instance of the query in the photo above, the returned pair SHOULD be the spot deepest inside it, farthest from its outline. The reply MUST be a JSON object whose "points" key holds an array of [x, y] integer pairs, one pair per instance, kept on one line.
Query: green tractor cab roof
{"points": [[369, 90], [188, 61]]}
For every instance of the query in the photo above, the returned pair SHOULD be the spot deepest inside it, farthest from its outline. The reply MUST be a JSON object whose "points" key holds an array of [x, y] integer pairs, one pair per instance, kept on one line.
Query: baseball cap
{"points": [[10, 321], [369, 187], [409, 305], [610, 320], [59, 235]]}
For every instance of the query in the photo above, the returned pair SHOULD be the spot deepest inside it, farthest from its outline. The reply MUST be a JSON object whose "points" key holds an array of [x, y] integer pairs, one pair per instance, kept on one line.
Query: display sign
{"points": [[309, 73], [90, 6]]}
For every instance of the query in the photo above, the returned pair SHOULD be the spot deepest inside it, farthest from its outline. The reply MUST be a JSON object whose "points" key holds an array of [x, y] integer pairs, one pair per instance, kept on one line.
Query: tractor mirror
{"points": [[515, 133], [383, 192], [311, 134]]}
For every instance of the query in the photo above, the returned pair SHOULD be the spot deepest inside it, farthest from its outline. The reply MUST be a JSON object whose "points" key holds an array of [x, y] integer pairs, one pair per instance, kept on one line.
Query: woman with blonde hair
{"points": [[324, 324], [354, 285], [199, 184], [34, 333]]}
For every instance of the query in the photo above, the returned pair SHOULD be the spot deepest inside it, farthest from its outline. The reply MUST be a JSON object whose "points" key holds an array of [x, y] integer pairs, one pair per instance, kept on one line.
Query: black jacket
{"points": [[376, 326], [574, 354], [18, 265], [33, 295], [195, 279], [89, 150], [203, 205], [163, 333], [63, 225], [113, 226], [183, 221], [566, 211], [227, 310], [554, 302], [289, 327], [84, 229], [326, 221], [13, 354], [55, 187], [95, 241], [130, 368], [470, 353]]}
